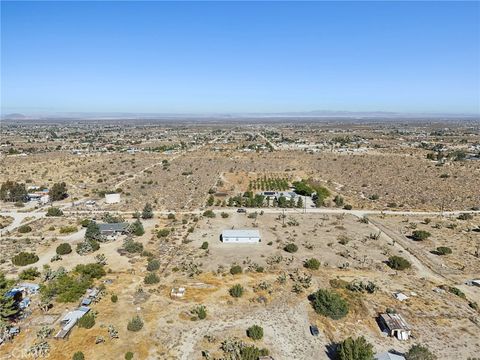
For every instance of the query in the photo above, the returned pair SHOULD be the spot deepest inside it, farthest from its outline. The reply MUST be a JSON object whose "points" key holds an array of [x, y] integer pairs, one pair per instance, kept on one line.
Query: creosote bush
{"points": [[163, 233], [135, 324], [236, 291], [236, 269], [63, 249], [29, 274], [151, 278], [291, 248], [153, 265], [209, 214], [442, 250], [24, 229], [255, 332], [24, 258], [54, 211], [398, 263], [312, 264], [420, 235], [78, 356]]}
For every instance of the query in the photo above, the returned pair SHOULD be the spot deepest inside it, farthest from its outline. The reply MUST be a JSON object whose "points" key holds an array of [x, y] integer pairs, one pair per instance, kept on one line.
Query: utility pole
{"points": [[283, 216], [305, 204]]}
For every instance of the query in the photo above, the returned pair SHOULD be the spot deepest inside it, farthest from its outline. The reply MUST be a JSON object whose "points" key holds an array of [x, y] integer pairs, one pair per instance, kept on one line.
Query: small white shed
{"points": [[240, 236], [112, 198]]}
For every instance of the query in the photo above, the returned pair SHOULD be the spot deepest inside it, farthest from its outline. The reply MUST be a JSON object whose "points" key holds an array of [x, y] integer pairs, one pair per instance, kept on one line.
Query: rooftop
{"points": [[246, 233], [389, 356], [113, 226], [395, 321]]}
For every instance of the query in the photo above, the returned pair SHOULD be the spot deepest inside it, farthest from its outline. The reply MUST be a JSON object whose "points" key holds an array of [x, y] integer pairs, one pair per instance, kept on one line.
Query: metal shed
{"points": [[240, 236], [395, 325]]}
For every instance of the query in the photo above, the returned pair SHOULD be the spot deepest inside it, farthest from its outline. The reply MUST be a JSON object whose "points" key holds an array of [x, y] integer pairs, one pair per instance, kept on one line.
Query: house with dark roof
{"points": [[112, 230]]}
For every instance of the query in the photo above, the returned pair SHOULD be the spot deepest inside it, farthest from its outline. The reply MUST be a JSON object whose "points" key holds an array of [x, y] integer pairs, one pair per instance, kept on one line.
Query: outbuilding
{"points": [[395, 325], [240, 236], [112, 198]]}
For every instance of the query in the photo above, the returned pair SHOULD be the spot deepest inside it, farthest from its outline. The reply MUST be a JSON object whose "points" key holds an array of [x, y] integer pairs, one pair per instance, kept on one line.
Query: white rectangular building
{"points": [[112, 198], [240, 236]]}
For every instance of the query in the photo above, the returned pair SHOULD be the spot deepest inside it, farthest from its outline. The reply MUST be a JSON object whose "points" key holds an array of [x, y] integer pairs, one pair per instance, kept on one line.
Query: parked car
{"points": [[241, 211], [314, 330]]}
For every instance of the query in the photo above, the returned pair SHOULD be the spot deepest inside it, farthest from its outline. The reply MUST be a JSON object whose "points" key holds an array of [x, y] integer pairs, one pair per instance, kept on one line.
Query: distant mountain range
{"points": [[304, 114]]}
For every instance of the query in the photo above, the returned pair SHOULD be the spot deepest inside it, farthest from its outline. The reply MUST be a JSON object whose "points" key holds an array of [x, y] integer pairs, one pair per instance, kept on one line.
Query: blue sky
{"points": [[240, 57]]}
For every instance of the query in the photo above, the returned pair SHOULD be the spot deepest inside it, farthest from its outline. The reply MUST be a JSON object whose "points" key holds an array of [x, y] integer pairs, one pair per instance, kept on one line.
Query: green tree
{"points": [[255, 332], [128, 355], [87, 321], [204, 245], [329, 303], [210, 200], [92, 232], [355, 349], [13, 192], [114, 298], [24, 258], [136, 228], [147, 212], [66, 287], [132, 246], [419, 352], [29, 274], [93, 270], [8, 307], [58, 191]]}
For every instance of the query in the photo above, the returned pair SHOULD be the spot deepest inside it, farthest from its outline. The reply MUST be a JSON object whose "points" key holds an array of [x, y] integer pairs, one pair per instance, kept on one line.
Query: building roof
{"points": [[113, 227], [75, 314], [240, 233], [395, 321], [30, 286], [389, 356]]}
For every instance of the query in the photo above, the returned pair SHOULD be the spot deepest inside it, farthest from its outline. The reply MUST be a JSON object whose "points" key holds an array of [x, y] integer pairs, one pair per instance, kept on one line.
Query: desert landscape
{"points": [[353, 212]]}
